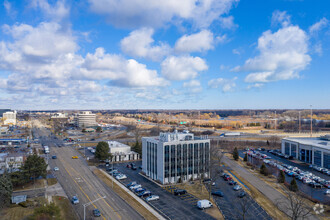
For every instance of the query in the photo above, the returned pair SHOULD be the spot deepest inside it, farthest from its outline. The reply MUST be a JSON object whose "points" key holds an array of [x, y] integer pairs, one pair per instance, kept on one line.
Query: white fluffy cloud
{"points": [[315, 28], [182, 67], [198, 42], [281, 17], [194, 86], [282, 55], [56, 12], [121, 72], [227, 85], [139, 44], [142, 13]]}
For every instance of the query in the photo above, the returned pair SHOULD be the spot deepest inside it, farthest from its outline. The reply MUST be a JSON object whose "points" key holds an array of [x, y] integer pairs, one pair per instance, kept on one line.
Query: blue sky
{"points": [[199, 54]]}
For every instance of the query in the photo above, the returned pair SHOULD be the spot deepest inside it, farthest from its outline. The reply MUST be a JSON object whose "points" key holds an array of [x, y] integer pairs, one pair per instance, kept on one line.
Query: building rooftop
{"points": [[317, 142], [177, 136], [114, 144]]}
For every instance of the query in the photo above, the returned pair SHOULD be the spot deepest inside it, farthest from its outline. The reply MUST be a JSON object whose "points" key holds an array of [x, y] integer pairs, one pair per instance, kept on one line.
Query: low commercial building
{"points": [[11, 162], [174, 157], [86, 119], [315, 151], [4, 130], [122, 152], [9, 118]]}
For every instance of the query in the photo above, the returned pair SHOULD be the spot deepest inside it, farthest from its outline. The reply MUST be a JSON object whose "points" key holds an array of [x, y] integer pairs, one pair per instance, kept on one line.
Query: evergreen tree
{"points": [[6, 189], [235, 154], [245, 157], [34, 167], [263, 169], [102, 151], [98, 129], [281, 177], [293, 185]]}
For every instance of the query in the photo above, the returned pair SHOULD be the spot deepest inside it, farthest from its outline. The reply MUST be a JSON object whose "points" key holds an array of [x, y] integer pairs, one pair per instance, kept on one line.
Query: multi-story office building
{"points": [[86, 119], [9, 118], [176, 156], [310, 150]]}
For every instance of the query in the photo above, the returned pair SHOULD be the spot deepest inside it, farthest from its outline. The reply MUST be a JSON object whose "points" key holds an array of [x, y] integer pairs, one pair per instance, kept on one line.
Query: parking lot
{"points": [[316, 193], [169, 205], [233, 207]]}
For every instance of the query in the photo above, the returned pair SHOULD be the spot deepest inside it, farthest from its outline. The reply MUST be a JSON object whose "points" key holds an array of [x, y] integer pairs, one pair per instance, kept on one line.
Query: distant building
{"points": [[59, 115], [122, 152], [86, 119], [174, 156], [310, 150], [4, 130], [9, 118]]}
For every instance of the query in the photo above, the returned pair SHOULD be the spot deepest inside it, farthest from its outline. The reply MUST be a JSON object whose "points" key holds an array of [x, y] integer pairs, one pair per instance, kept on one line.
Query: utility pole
{"points": [[311, 121], [275, 120], [299, 123]]}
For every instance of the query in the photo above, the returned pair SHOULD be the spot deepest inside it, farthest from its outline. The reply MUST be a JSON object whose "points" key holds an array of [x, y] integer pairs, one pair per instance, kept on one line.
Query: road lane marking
{"points": [[81, 189], [119, 216]]}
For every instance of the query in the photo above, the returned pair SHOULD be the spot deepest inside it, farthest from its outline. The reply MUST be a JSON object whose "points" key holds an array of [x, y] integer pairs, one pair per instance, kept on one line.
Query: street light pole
{"points": [[87, 204]]}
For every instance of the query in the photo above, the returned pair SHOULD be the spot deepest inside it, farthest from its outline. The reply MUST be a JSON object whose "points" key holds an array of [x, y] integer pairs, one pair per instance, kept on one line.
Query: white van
{"points": [[204, 204]]}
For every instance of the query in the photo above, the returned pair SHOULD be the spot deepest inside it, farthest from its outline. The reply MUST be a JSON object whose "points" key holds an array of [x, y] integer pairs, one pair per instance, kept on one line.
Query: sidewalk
{"points": [[271, 193]]}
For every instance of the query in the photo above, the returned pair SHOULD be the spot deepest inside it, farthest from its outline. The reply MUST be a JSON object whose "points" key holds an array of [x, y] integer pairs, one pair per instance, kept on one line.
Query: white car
{"points": [[237, 187], [121, 177], [151, 198], [327, 191], [56, 169], [135, 186]]}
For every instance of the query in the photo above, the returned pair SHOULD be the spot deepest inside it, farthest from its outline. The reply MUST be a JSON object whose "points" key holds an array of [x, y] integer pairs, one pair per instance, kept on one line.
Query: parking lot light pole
{"points": [[87, 204]]}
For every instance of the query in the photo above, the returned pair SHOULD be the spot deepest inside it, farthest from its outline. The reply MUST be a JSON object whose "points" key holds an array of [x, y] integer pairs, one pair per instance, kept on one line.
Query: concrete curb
{"points": [[143, 203]]}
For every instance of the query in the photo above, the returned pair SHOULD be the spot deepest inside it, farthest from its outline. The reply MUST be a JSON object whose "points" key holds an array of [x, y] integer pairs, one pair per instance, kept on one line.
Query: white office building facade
{"points": [[122, 152], [174, 157], [86, 119], [9, 118], [314, 151]]}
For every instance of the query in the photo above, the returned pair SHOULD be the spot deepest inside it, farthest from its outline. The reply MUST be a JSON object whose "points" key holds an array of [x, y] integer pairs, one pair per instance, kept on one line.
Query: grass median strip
{"points": [[125, 196]]}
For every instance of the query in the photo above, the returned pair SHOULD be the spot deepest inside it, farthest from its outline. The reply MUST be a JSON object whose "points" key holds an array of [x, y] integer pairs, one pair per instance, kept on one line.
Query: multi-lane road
{"points": [[77, 178]]}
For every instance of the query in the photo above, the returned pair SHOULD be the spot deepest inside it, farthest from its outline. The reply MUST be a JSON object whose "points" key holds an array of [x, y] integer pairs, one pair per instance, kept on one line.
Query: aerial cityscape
{"points": [[142, 109]]}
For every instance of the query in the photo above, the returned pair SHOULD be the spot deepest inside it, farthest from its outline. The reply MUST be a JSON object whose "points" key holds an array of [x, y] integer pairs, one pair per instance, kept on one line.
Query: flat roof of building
{"points": [[316, 142], [114, 144]]}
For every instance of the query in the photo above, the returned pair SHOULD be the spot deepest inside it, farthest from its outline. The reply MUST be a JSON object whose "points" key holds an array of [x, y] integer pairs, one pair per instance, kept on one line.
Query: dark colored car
{"points": [[232, 182], [128, 166], [133, 167], [178, 192], [144, 194], [218, 193], [206, 180], [241, 194], [131, 184], [228, 178], [96, 213], [54, 157]]}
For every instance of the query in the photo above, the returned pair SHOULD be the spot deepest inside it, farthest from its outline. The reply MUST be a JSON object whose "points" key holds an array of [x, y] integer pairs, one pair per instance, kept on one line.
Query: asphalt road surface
{"points": [[77, 178]]}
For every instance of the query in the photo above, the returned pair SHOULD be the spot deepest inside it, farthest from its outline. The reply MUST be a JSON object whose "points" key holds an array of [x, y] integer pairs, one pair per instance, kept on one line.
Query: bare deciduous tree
{"points": [[243, 205], [216, 156], [295, 207]]}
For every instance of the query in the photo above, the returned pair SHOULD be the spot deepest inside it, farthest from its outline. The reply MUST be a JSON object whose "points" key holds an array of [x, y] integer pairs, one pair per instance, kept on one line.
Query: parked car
{"points": [[151, 198], [139, 190], [327, 191], [232, 182], [135, 186], [146, 193], [121, 177], [217, 193], [204, 204], [241, 194], [131, 184], [54, 157], [75, 157], [178, 192], [128, 166], [133, 167], [237, 187], [96, 213], [75, 200]]}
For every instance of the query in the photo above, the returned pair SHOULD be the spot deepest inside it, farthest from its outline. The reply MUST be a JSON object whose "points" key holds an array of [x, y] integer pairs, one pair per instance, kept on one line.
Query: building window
{"points": [[317, 157], [326, 160], [207, 157], [294, 150], [287, 148], [185, 158], [191, 154], [172, 160], [196, 159], [167, 161]]}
